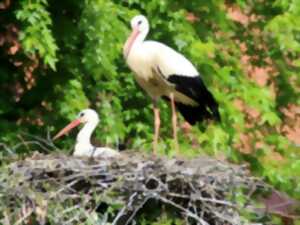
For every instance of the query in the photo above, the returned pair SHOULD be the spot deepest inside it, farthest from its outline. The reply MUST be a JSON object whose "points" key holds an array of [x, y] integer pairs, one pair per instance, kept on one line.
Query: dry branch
{"points": [[62, 189]]}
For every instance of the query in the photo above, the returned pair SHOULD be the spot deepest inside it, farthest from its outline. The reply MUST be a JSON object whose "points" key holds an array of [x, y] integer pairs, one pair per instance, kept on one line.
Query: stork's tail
{"points": [[194, 88], [193, 114]]}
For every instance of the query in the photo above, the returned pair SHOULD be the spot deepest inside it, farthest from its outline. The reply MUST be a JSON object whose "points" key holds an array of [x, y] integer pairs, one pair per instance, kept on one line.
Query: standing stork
{"points": [[83, 146], [163, 72]]}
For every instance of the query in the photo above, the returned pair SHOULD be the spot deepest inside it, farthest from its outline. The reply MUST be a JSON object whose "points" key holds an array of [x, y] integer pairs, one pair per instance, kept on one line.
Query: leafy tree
{"points": [[57, 58]]}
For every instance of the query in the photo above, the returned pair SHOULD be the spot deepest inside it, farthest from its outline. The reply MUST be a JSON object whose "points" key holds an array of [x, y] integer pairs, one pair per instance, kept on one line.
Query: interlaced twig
{"points": [[187, 212], [197, 189]]}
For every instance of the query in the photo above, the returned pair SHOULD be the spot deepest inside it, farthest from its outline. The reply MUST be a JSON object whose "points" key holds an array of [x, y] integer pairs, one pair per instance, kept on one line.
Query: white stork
{"points": [[163, 72], [83, 146]]}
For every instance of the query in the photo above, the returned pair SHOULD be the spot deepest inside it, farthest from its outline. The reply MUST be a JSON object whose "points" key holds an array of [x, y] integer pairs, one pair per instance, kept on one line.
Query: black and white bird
{"points": [[83, 146], [163, 72]]}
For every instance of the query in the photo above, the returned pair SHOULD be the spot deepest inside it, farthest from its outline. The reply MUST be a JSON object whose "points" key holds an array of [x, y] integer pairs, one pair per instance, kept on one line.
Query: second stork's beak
{"points": [[69, 127]]}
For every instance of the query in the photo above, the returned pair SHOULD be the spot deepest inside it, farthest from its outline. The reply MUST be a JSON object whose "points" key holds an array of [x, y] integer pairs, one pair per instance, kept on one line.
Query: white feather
{"points": [[153, 63], [151, 54], [83, 146], [150, 60], [168, 60], [103, 152]]}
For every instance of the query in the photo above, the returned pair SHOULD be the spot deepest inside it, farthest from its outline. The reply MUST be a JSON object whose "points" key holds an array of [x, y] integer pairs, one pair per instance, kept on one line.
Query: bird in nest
{"points": [[83, 147]]}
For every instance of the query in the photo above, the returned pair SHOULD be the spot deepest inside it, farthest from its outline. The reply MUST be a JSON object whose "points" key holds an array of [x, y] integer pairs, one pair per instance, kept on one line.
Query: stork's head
{"points": [[88, 115], [85, 116], [139, 23], [140, 28]]}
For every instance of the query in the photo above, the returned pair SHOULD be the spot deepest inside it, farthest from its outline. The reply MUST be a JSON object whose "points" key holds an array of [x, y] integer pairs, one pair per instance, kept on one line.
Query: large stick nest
{"points": [[59, 189]]}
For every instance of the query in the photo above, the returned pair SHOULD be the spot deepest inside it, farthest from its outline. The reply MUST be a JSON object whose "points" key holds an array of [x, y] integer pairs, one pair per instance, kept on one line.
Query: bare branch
{"points": [[197, 188]]}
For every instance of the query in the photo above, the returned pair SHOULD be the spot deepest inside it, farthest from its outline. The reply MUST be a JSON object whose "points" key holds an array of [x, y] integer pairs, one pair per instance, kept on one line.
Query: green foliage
{"points": [[81, 42], [72, 94], [285, 28], [36, 36]]}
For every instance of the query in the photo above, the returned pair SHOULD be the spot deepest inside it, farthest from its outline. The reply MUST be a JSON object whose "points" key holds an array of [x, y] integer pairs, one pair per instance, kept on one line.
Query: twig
{"points": [[20, 221], [76, 217], [137, 208], [121, 212], [27, 143], [68, 186], [187, 212], [194, 197], [23, 141], [6, 219], [225, 218], [47, 142], [197, 191], [6, 148], [70, 209]]}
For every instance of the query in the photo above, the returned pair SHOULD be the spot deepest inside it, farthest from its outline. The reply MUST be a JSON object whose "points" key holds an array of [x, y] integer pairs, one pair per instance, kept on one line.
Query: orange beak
{"points": [[130, 40], [69, 127]]}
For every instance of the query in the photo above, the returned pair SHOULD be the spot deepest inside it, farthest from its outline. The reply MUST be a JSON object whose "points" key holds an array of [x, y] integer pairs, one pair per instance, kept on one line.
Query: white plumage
{"points": [[155, 53], [163, 72], [83, 146], [151, 59], [153, 63]]}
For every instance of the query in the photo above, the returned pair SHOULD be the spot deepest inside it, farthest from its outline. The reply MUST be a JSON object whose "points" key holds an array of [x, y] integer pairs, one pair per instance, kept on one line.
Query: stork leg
{"points": [[174, 123], [156, 126]]}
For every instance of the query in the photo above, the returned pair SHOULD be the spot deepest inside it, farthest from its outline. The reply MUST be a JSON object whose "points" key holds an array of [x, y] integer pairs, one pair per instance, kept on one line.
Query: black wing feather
{"points": [[195, 88]]}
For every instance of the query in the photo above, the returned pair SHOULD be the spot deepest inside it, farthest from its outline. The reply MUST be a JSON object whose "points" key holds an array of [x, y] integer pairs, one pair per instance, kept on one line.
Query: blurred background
{"points": [[58, 58]]}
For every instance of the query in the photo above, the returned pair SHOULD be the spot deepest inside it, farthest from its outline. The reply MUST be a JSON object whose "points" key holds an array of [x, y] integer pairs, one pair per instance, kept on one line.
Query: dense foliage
{"points": [[58, 58]]}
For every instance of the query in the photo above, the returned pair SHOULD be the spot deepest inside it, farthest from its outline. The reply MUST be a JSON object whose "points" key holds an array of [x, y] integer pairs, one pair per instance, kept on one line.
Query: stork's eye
{"points": [[81, 114], [139, 22]]}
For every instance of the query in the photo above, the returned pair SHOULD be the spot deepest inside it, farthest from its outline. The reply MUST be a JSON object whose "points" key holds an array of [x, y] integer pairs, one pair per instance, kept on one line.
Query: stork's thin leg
{"points": [[156, 126], [174, 123]]}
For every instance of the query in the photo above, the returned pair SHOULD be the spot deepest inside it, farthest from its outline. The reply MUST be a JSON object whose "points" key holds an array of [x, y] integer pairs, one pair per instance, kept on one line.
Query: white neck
{"points": [[84, 135], [136, 42], [141, 37]]}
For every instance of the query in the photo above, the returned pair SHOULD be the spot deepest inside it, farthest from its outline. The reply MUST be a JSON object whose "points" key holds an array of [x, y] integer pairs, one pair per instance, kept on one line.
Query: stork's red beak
{"points": [[69, 127], [130, 40]]}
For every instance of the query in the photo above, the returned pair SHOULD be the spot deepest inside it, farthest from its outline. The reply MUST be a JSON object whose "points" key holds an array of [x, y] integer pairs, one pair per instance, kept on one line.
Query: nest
{"points": [[60, 189]]}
